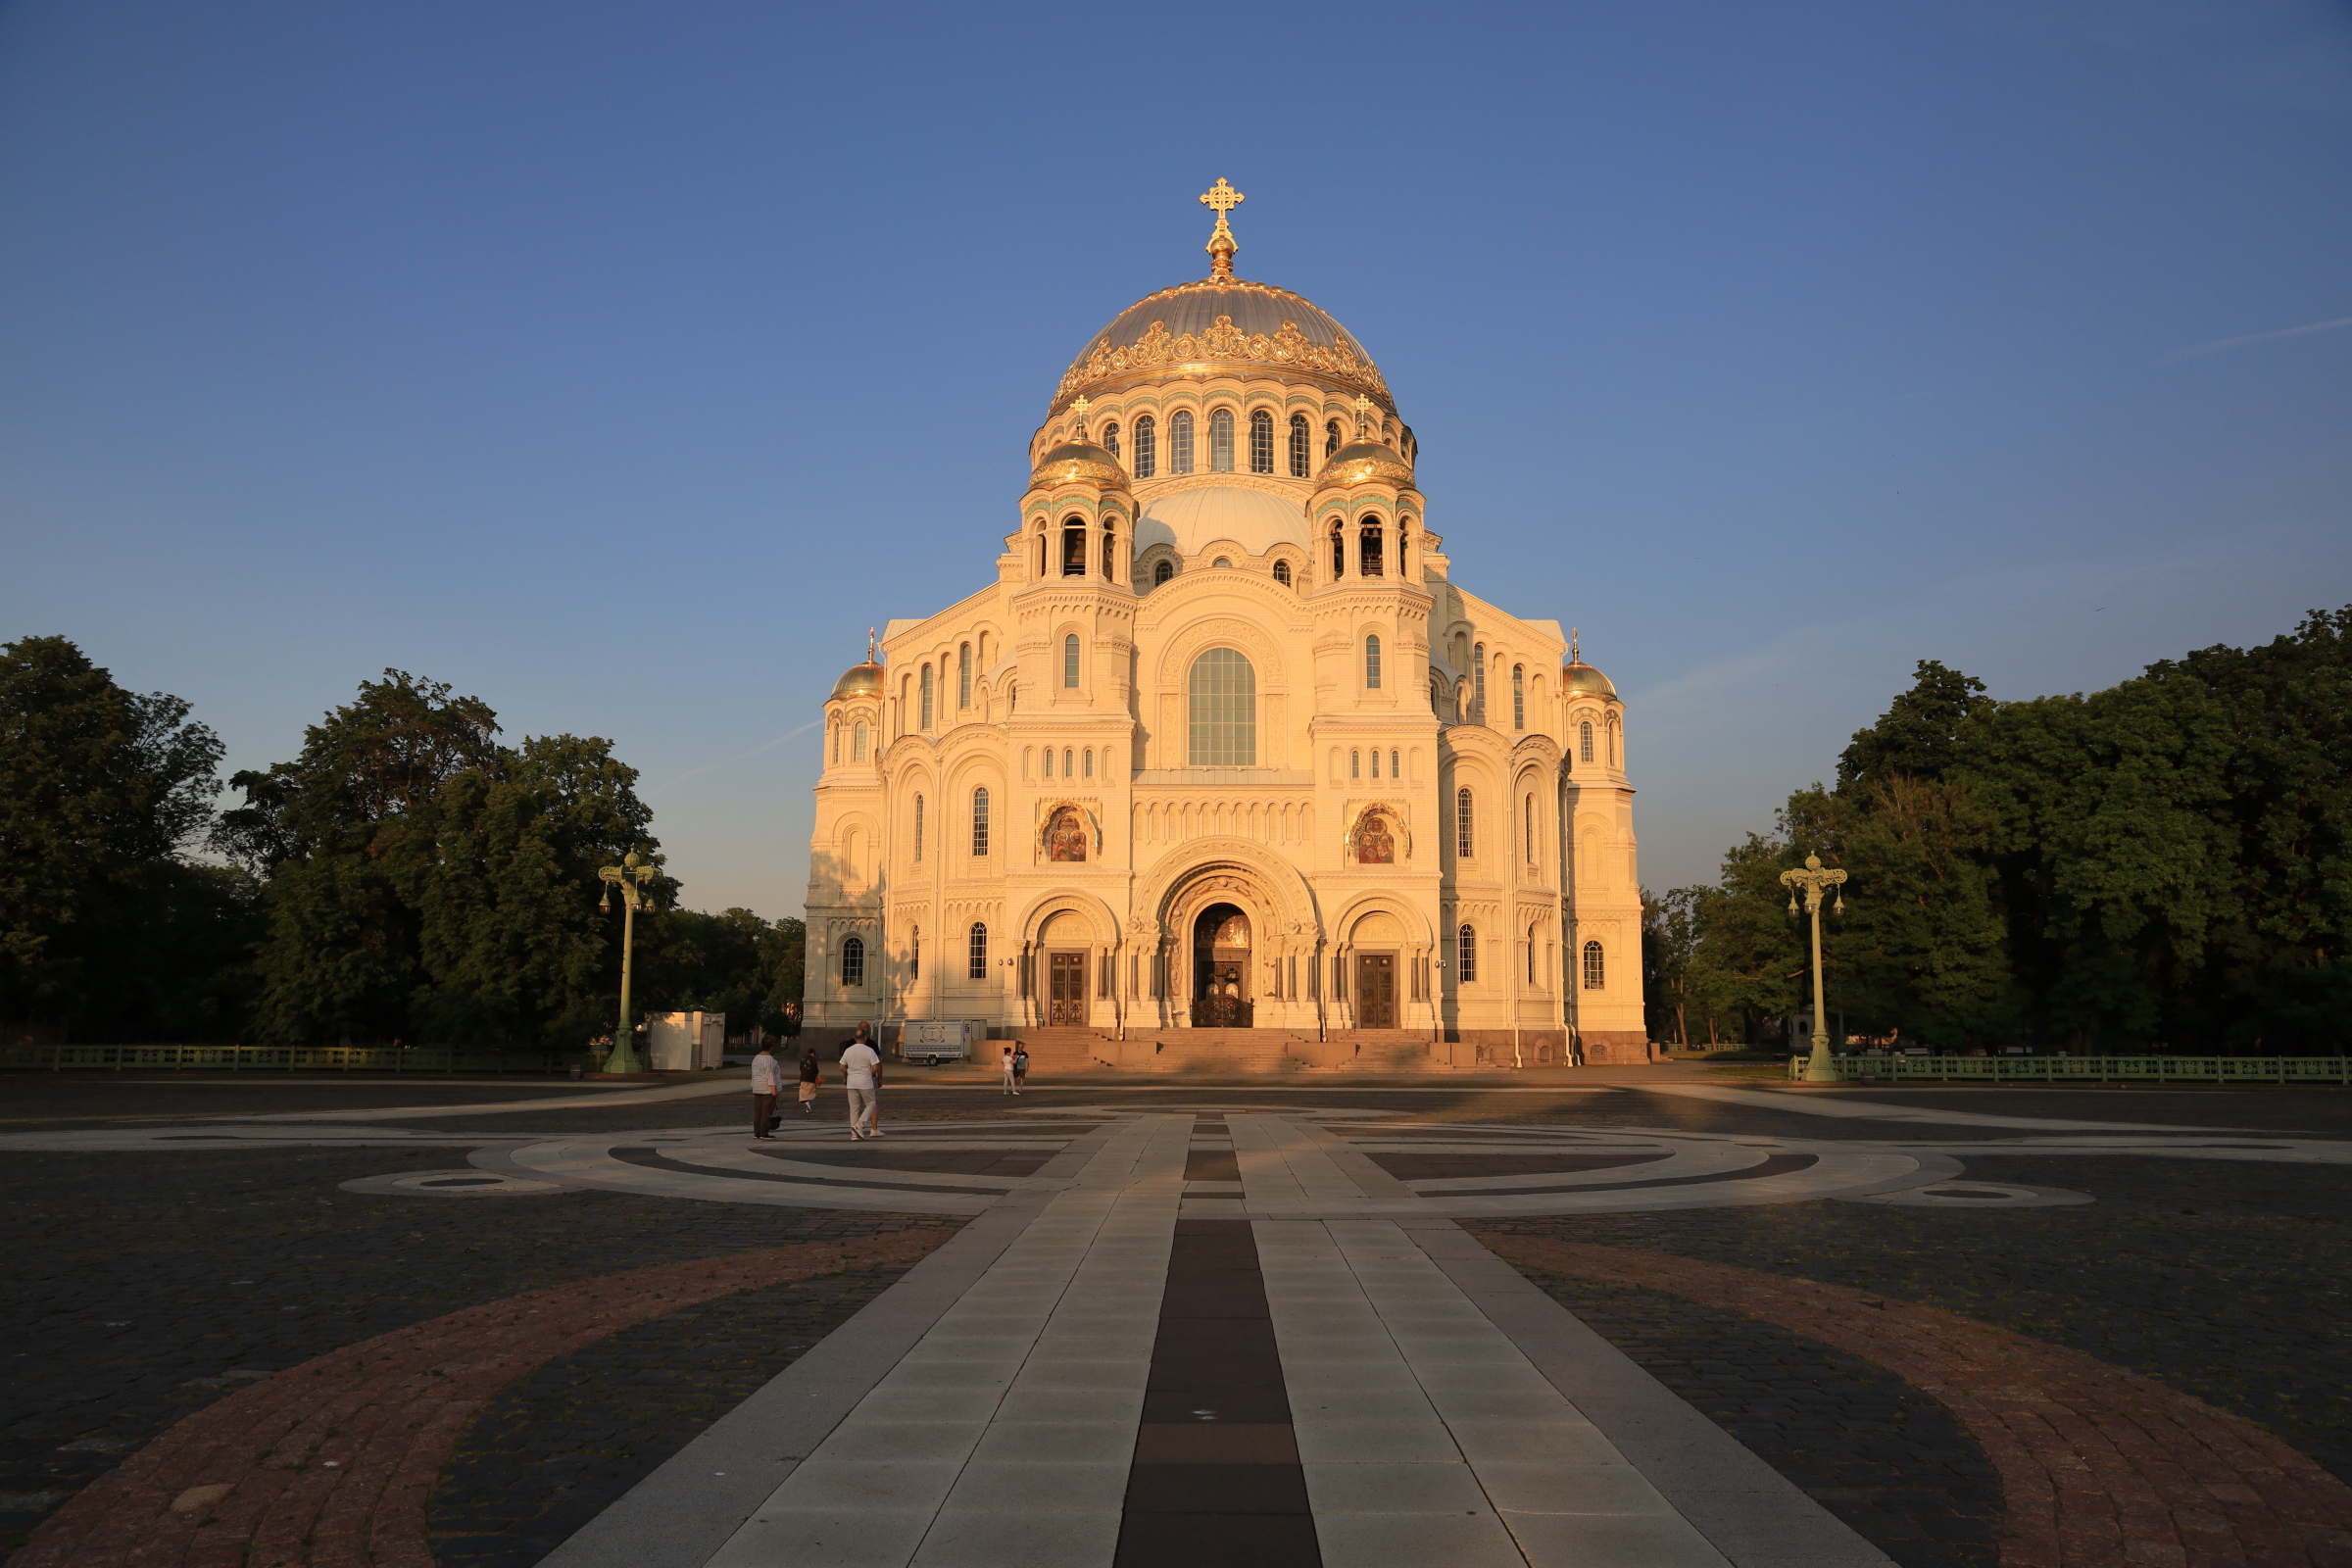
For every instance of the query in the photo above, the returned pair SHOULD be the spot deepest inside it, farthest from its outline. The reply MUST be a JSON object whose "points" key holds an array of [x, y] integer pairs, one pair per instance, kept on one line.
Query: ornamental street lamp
{"points": [[1812, 882], [634, 878]]}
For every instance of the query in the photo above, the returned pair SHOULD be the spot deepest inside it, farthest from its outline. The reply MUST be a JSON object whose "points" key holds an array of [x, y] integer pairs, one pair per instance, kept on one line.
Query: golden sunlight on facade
{"points": [[1223, 767]]}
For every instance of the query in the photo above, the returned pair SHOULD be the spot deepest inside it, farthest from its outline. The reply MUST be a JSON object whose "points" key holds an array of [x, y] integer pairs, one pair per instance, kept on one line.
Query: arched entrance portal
{"points": [[1221, 968]]}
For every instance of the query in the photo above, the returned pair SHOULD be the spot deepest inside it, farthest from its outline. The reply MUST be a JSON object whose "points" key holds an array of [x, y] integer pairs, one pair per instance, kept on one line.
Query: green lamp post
{"points": [[1811, 883], [634, 878]]}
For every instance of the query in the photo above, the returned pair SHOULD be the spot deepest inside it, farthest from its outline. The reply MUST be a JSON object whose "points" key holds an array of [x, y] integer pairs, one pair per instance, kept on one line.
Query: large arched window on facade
{"points": [[1224, 716], [1465, 953], [1527, 832], [1180, 441], [1069, 660], [1110, 439], [1478, 662], [1147, 447], [915, 954], [852, 963], [918, 827], [856, 743], [927, 687], [976, 966], [1518, 696], [963, 676], [1584, 741], [1162, 572], [1372, 664], [1220, 441], [1465, 824], [1300, 440], [1595, 977], [1261, 442], [1367, 549], [980, 820], [1330, 436]]}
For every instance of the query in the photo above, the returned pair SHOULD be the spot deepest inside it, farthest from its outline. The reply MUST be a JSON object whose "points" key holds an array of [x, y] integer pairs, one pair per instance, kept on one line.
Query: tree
{"points": [[100, 792], [1921, 735]]}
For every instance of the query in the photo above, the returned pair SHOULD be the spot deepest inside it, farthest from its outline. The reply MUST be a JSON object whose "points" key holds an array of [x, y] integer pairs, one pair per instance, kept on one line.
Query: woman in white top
{"points": [[1007, 1079]]}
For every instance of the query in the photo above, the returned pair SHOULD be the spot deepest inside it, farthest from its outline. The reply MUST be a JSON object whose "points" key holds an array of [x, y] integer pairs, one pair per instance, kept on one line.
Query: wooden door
{"points": [[1065, 990], [1376, 990]]}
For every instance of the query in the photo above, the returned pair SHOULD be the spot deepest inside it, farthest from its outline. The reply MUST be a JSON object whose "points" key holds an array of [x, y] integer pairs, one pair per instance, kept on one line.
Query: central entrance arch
{"points": [[1221, 996]]}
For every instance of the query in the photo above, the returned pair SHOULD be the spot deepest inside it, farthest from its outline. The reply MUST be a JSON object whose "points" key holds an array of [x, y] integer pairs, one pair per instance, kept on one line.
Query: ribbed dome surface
{"points": [[1260, 324]]}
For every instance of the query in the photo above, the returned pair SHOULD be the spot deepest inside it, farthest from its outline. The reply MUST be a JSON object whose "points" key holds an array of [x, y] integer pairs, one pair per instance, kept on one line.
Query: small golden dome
{"points": [[1082, 462], [1364, 463], [859, 681], [1580, 678]]}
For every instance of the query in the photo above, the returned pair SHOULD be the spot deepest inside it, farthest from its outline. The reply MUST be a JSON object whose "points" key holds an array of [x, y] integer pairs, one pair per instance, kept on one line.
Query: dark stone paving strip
{"points": [[953, 1163], [1775, 1166], [562, 1443], [1883, 1456], [1216, 1476], [654, 1161], [1501, 1162]]}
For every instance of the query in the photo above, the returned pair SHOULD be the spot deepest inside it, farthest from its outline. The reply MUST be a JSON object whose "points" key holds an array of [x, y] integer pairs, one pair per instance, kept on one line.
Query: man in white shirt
{"points": [[862, 1069], [767, 1079]]}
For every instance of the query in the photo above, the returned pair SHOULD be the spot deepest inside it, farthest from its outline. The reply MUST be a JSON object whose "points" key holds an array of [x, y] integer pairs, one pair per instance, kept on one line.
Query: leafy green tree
{"points": [[1922, 735], [102, 792]]}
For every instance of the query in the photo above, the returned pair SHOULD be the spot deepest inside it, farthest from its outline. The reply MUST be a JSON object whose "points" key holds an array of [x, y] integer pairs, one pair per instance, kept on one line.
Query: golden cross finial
{"points": [[1221, 246], [1078, 407], [869, 645], [1574, 658]]}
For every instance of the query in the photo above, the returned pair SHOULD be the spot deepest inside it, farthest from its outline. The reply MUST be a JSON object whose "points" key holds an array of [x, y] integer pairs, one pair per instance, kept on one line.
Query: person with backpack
{"points": [[811, 1076]]}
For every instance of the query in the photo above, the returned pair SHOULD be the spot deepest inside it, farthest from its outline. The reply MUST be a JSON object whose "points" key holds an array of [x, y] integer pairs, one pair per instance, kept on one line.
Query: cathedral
{"points": [[1223, 766]]}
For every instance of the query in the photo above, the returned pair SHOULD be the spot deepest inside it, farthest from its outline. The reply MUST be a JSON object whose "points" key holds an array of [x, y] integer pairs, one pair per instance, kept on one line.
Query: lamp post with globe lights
{"points": [[634, 877], [1810, 884]]}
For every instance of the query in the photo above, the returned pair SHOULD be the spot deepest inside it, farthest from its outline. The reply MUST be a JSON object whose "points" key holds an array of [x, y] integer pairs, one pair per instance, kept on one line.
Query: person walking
{"points": [[1006, 1080], [862, 1076], [811, 1076], [766, 1079], [1020, 1066]]}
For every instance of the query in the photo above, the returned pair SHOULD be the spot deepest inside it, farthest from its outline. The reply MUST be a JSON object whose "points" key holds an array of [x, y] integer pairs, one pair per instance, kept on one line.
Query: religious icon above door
{"points": [[1065, 835], [1375, 845]]}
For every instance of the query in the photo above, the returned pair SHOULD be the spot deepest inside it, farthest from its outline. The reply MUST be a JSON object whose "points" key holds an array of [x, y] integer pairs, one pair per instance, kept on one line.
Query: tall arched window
{"points": [[1220, 441], [1478, 660], [1162, 572], [1180, 441], [1147, 447], [1355, 764], [1584, 742], [1338, 554], [1595, 977], [918, 827], [1395, 771], [926, 724], [1088, 763], [1111, 540], [1049, 762], [1465, 825], [1282, 572], [1067, 771], [1518, 696], [1367, 551], [1465, 953], [1073, 548], [1300, 441], [1041, 549], [1376, 761], [1261, 442], [980, 820], [976, 967], [837, 744], [1531, 956], [1372, 664], [915, 954], [1330, 436], [1110, 439], [856, 743], [852, 963], [1069, 660], [1224, 717], [963, 676], [1612, 746], [1528, 827]]}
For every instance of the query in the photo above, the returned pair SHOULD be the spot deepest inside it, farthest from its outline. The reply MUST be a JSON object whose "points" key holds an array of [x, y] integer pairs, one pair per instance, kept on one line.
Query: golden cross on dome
{"points": [[1078, 407], [1575, 657], [1223, 198]]}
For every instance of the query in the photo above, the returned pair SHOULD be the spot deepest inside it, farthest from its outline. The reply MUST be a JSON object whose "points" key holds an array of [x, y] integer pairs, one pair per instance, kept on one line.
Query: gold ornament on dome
{"points": [[1223, 343]]}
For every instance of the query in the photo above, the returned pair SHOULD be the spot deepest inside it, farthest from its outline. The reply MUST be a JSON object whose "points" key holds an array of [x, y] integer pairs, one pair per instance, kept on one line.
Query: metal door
{"points": [[1065, 990], [1376, 990]]}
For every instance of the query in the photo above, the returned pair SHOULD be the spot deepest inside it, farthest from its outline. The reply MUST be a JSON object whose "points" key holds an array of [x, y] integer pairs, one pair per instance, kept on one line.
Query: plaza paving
{"points": [[1186, 1324]]}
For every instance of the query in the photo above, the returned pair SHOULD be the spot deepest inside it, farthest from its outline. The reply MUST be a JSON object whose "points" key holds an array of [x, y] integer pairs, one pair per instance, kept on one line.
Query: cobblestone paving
{"points": [[1879, 1454], [142, 1288], [2227, 1280]]}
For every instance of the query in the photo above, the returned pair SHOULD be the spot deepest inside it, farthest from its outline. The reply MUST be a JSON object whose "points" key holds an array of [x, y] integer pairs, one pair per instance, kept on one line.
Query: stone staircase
{"points": [[1236, 1052]]}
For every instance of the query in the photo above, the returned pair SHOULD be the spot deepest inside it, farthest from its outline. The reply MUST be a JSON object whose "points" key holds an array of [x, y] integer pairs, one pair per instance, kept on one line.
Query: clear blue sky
{"points": [[621, 363]]}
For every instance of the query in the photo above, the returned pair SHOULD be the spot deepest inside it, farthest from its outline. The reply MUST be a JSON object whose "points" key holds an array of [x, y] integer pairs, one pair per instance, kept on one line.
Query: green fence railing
{"points": [[287, 1058], [2089, 1069]]}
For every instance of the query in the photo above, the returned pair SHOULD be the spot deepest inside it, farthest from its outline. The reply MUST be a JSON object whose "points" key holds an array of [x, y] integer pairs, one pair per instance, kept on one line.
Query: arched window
{"points": [[1465, 825], [1041, 549], [837, 744], [1338, 554], [1069, 660], [1162, 572], [1300, 442], [1376, 761], [963, 676], [1518, 696], [1612, 746], [1147, 447], [856, 743], [1367, 552], [1393, 771], [852, 963], [976, 969], [1282, 572], [1111, 540], [926, 724], [1066, 760], [1372, 664], [980, 820], [1531, 956], [1261, 442], [1049, 762], [1220, 441], [918, 827], [1110, 439], [1180, 441], [1465, 953], [1355, 764], [1528, 833], [1222, 561], [1330, 436], [1584, 742], [1073, 548], [1595, 977], [915, 954], [1478, 660], [1224, 717], [1089, 762]]}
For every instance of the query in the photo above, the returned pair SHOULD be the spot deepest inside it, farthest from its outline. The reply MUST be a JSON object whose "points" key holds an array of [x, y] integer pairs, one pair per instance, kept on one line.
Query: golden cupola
{"points": [[1077, 460], [1366, 460]]}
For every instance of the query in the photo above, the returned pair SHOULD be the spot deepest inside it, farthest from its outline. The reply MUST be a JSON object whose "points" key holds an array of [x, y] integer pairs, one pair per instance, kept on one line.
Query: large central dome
{"points": [[1222, 323]]}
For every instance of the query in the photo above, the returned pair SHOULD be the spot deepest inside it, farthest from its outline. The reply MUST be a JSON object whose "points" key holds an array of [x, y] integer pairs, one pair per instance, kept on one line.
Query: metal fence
{"points": [[287, 1058], [2090, 1069]]}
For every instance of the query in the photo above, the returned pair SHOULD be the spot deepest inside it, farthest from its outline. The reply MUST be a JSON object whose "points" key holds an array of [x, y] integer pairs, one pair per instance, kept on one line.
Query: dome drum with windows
{"points": [[1225, 745]]}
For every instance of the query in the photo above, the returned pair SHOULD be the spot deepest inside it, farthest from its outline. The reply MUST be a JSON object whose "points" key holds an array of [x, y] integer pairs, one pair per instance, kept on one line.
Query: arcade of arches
{"points": [[1224, 746]]}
